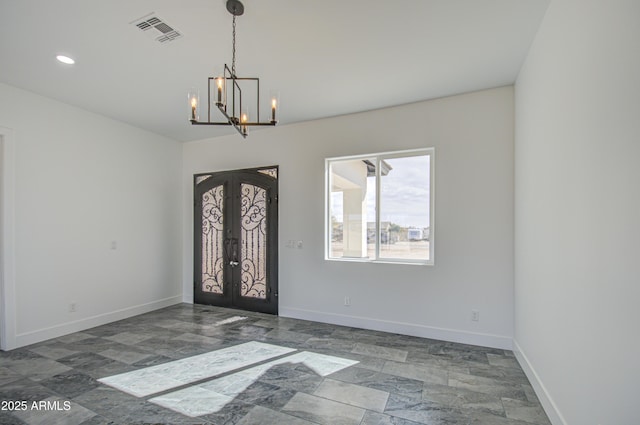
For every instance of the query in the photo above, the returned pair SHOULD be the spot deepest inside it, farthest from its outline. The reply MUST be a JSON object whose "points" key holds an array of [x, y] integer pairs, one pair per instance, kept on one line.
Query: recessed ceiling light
{"points": [[65, 59]]}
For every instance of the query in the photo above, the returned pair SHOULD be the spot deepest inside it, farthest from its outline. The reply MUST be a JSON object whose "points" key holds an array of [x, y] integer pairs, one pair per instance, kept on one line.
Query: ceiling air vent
{"points": [[156, 28]]}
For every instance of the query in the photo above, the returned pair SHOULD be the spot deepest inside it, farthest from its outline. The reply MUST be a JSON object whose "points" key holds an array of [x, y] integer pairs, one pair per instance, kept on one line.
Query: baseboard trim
{"points": [[39, 335], [452, 335], [549, 406]]}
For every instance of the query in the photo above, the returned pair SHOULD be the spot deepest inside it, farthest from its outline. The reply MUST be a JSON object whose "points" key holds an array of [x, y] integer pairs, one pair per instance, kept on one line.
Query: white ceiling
{"points": [[325, 57]]}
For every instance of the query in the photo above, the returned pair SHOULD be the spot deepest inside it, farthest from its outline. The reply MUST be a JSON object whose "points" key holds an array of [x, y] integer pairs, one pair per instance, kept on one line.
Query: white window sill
{"points": [[382, 261]]}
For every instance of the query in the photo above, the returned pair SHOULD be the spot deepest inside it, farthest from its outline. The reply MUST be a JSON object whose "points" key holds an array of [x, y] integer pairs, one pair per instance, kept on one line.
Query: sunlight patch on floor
{"points": [[211, 396]]}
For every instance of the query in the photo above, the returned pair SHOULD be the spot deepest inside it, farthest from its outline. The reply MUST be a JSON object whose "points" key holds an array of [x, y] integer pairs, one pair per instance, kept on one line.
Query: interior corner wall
{"points": [[577, 212], [473, 139], [97, 217]]}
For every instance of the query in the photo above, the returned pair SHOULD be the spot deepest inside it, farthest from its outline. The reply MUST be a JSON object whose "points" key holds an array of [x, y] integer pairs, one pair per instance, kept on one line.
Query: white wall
{"points": [[7, 238], [473, 138], [83, 181], [578, 212]]}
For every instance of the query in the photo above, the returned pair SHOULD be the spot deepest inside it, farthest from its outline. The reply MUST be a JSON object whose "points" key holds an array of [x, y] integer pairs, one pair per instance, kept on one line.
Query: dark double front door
{"points": [[236, 239]]}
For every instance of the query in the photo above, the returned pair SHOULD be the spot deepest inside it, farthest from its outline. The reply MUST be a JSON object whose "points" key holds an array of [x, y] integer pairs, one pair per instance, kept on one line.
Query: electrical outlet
{"points": [[347, 301], [475, 315], [73, 307]]}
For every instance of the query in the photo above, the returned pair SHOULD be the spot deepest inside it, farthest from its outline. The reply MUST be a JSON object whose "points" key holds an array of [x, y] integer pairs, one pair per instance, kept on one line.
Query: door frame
{"points": [[233, 299]]}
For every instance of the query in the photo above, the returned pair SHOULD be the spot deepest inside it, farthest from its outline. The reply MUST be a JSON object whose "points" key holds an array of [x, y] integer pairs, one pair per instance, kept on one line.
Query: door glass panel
{"points": [[212, 240], [253, 254], [200, 179], [272, 172]]}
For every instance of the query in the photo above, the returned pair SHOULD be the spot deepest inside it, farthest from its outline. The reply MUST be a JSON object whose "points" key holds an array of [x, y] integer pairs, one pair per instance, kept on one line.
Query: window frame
{"points": [[379, 157]]}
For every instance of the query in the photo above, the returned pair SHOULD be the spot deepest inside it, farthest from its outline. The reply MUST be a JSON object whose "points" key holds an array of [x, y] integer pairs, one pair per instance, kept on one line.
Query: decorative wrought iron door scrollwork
{"points": [[253, 206], [212, 228]]}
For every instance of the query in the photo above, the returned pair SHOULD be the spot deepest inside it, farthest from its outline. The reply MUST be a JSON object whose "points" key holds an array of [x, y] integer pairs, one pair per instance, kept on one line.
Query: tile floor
{"points": [[204, 365]]}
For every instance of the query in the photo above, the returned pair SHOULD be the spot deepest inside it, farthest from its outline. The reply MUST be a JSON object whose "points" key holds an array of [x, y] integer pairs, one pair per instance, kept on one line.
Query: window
{"points": [[380, 207]]}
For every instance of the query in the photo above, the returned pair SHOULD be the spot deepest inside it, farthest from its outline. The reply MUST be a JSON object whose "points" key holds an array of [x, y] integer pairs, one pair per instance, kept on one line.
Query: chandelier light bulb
{"points": [[219, 83], [275, 100], [274, 103], [193, 103], [244, 119]]}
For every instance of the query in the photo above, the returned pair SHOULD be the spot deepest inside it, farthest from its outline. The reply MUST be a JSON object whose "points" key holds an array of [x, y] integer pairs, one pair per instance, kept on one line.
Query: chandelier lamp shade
{"points": [[225, 92]]}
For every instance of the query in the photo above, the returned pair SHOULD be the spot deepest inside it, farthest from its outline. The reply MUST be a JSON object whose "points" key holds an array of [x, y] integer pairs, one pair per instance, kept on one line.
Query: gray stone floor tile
{"points": [[364, 362], [422, 356], [422, 411], [54, 411], [398, 380], [267, 395], [296, 378], [231, 414], [125, 356], [7, 418], [99, 420], [111, 367], [487, 385], [353, 395], [462, 399], [530, 393], [454, 352], [262, 416], [374, 418], [328, 343], [85, 359], [525, 411], [249, 332], [151, 361], [38, 369], [199, 339], [25, 389], [7, 376], [286, 336], [323, 411], [70, 384], [75, 337], [126, 409], [94, 345], [381, 381], [504, 361], [53, 351], [507, 374], [487, 418], [417, 371], [129, 338], [380, 351]]}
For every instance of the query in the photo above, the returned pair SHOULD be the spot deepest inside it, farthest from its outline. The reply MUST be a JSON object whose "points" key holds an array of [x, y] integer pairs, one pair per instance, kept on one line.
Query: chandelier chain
{"points": [[233, 60]]}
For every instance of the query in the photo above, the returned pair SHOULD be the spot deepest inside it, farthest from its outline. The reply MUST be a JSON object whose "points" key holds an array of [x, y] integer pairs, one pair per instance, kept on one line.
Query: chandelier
{"points": [[224, 91]]}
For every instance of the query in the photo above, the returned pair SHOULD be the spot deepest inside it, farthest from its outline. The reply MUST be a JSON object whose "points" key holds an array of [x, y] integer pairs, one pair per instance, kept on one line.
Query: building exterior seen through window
{"points": [[380, 207]]}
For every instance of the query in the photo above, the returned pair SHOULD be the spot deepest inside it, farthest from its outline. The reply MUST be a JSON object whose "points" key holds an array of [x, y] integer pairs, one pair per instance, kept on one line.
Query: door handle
{"points": [[231, 251]]}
